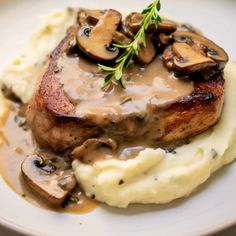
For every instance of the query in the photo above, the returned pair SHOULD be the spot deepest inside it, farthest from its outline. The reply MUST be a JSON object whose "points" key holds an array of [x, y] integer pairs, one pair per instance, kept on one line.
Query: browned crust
{"points": [[197, 112], [54, 123], [50, 94]]}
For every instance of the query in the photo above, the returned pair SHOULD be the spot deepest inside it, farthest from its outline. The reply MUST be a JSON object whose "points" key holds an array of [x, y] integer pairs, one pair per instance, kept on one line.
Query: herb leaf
{"points": [[150, 15], [106, 68], [107, 81]]}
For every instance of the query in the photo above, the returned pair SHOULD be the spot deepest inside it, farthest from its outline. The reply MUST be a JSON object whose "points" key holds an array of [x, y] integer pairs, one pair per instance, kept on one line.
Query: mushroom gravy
{"points": [[159, 86], [145, 85], [17, 144]]}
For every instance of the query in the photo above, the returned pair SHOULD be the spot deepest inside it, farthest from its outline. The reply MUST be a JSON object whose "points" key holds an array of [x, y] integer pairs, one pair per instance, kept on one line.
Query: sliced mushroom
{"points": [[208, 47], [167, 57], [120, 38], [127, 31], [46, 180], [92, 144], [148, 53], [164, 39], [188, 61], [133, 20], [82, 18], [167, 26], [96, 41], [89, 17], [187, 27], [94, 16]]}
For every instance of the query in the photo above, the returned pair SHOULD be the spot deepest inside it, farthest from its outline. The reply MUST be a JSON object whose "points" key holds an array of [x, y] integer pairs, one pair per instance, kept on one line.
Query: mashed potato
{"points": [[153, 176], [158, 177], [21, 75]]}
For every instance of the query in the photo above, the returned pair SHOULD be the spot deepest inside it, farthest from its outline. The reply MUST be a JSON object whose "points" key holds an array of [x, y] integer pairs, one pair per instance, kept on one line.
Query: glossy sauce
{"points": [[152, 84], [82, 82], [145, 85], [125, 151], [17, 144]]}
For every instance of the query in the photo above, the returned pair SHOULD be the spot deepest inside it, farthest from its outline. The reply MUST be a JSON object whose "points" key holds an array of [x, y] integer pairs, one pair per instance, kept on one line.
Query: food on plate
{"points": [[52, 182], [127, 109]]}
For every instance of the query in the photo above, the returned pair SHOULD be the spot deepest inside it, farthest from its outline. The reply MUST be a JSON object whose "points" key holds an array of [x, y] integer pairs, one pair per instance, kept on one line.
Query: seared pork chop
{"points": [[60, 121]]}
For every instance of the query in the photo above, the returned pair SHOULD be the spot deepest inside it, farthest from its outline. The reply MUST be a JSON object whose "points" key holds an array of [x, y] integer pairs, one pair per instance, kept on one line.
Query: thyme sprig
{"points": [[151, 14]]}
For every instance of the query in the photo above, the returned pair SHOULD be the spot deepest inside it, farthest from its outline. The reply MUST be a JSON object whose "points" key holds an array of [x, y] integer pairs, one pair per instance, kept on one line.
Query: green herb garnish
{"points": [[151, 14], [125, 100]]}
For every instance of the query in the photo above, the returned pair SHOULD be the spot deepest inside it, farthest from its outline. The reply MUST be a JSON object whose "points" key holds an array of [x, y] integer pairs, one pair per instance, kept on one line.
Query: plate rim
{"points": [[14, 226], [17, 228]]}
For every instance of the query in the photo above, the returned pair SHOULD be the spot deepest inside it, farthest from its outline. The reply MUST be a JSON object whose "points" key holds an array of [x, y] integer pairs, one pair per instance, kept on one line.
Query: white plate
{"points": [[210, 209]]}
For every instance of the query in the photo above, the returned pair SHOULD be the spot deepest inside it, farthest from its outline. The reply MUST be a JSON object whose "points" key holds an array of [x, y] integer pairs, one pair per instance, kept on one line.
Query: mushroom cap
{"points": [[188, 61], [147, 54], [133, 20], [167, 57], [46, 181], [96, 41], [91, 144], [89, 17], [167, 26], [121, 38], [208, 47], [164, 39]]}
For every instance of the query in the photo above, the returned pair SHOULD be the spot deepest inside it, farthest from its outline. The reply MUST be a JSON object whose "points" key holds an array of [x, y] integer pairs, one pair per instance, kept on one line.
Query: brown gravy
{"points": [[152, 84], [17, 144], [82, 82]]}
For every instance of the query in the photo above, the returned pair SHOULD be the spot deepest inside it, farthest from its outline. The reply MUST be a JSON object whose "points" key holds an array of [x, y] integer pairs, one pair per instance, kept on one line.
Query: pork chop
{"points": [[59, 121]]}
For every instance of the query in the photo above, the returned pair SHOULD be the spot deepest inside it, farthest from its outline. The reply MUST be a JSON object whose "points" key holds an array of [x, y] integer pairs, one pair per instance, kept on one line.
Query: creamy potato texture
{"points": [[154, 176], [21, 75], [158, 177]]}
